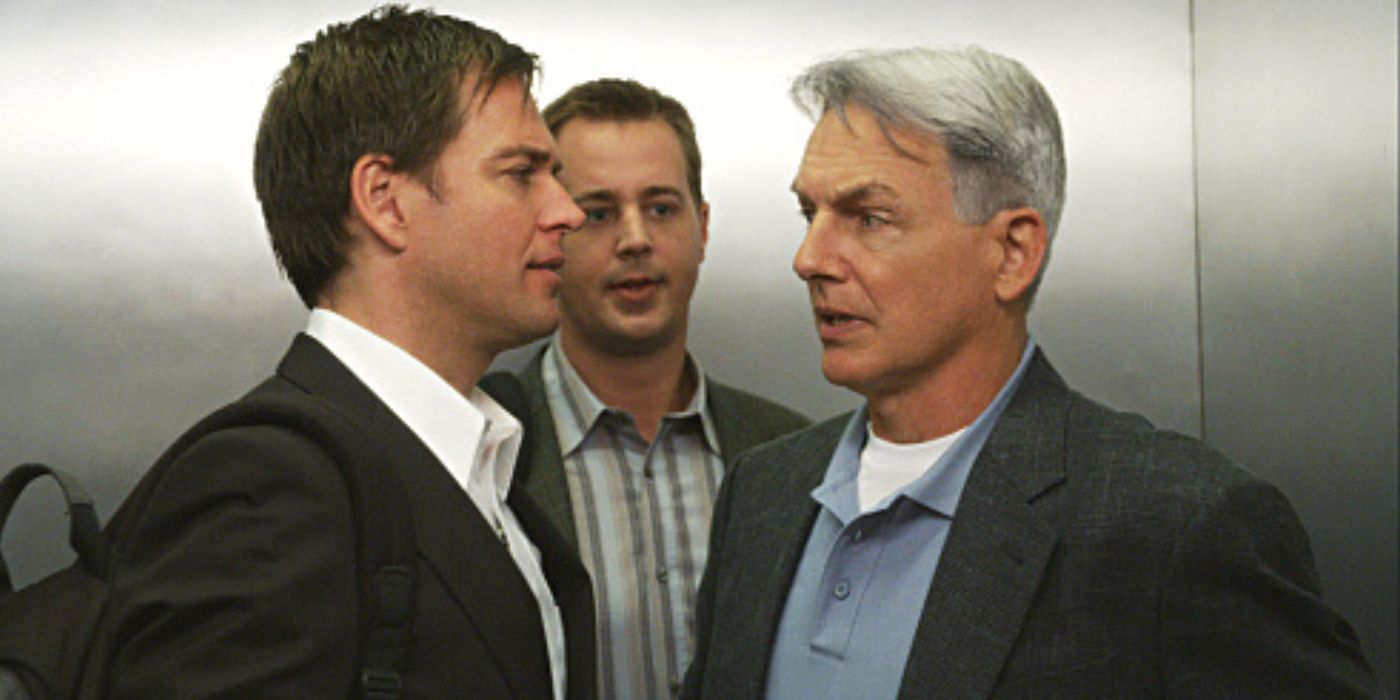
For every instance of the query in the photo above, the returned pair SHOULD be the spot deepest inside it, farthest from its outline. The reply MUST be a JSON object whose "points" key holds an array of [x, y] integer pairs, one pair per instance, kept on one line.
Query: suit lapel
{"points": [[454, 539], [729, 423], [773, 549], [996, 551], [542, 474], [572, 588]]}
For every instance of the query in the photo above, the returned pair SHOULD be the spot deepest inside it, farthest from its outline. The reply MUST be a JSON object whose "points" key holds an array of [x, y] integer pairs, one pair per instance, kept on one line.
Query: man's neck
{"points": [[444, 350], [950, 399], [647, 386]]}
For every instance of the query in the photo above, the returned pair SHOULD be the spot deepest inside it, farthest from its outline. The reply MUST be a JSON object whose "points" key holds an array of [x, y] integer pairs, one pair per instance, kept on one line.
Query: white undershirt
{"points": [[886, 467], [473, 437]]}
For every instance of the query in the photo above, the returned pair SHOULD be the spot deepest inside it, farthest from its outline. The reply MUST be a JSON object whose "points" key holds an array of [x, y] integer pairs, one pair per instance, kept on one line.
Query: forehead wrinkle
{"points": [[850, 165], [863, 188]]}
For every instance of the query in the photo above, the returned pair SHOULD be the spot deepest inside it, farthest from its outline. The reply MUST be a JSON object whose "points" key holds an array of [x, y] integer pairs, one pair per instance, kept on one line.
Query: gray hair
{"points": [[991, 115]]}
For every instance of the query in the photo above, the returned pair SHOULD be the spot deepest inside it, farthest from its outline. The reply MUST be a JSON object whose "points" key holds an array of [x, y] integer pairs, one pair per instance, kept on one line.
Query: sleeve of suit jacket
{"points": [[1241, 608], [239, 580]]}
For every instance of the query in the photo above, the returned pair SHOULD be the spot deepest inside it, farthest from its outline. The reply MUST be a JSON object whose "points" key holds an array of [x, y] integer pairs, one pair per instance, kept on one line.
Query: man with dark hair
{"points": [[978, 529], [407, 182], [630, 437]]}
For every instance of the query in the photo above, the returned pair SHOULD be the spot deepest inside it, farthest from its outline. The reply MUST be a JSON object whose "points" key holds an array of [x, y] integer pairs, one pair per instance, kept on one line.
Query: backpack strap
{"points": [[84, 533], [384, 535]]}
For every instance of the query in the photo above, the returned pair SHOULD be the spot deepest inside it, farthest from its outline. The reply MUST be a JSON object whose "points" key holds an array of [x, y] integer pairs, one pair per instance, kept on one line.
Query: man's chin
{"points": [[631, 339], [532, 324], [840, 370]]}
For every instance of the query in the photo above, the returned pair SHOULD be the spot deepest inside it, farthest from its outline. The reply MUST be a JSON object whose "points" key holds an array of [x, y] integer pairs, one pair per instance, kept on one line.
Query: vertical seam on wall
{"points": [[1196, 224]]}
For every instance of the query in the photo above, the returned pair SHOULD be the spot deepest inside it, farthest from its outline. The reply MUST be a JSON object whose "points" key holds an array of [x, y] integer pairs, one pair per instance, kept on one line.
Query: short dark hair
{"points": [[613, 99], [387, 83]]}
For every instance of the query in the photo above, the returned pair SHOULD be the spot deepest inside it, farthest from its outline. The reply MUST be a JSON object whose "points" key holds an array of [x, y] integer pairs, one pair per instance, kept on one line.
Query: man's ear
{"points": [[1021, 233], [376, 191]]}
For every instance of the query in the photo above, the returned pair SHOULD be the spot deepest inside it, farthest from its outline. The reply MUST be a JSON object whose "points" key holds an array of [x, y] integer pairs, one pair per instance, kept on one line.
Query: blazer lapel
{"points": [[996, 551], [542, 474], [454, 539], [724, 431], [572, 588], [730, 424], [773, 549]]}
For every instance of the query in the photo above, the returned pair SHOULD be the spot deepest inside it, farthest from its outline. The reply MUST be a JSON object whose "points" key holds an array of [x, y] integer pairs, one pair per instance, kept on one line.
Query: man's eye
{"points": [[807, 213], [522, 174], [873, 221], [661, 211], [596, 216]]}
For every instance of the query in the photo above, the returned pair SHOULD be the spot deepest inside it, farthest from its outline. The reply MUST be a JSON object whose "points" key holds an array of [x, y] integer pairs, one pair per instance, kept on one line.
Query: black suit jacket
{"points": [[1092, 556], [742, 420], [240, 581]]}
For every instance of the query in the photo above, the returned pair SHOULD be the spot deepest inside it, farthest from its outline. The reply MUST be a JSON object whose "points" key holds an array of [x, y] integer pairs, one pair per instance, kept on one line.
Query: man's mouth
{"points": [[552, 264], [828, 315], [834, 318], [834, 325], [634, 283], [635, 289]]}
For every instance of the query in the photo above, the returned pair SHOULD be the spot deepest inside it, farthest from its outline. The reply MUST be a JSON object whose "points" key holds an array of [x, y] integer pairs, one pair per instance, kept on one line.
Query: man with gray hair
{"points": [[978, 529]]}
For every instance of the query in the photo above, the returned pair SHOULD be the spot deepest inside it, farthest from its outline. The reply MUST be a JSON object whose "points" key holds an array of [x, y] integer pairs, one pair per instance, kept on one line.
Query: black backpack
{"points": [[52, 643]]}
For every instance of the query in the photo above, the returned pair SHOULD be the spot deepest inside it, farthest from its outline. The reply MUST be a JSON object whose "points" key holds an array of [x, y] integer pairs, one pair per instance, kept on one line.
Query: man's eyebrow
{"points": [[661, 191], [802, 199], [596, 197], [535, 154]]}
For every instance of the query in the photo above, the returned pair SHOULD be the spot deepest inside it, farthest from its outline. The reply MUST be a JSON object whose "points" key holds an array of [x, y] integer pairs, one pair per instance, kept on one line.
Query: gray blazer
{"points": [[741, 420], [1092, 556]]}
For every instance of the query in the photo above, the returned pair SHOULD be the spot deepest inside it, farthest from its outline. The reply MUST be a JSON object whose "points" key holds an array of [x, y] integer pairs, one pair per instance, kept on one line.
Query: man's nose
{"points": [[814, 259], [560, 214], [633, 236]]}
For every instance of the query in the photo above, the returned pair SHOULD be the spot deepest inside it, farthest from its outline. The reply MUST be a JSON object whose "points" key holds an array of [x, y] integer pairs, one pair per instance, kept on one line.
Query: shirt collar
{"points": [[576, 409], [473, 436], [940, 488]]}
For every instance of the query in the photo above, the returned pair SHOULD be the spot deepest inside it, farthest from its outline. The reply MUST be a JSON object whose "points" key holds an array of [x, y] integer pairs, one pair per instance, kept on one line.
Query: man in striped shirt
{"points": [[630, 439]]}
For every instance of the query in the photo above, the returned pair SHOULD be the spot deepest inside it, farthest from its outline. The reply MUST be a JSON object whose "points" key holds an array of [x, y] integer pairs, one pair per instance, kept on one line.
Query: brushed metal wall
{"points": [[137, 291], [1296, 154]]}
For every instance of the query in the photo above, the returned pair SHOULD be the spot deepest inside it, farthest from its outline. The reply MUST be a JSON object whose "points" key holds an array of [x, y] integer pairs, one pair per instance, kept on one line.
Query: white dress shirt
{"points": [[473, 437]]}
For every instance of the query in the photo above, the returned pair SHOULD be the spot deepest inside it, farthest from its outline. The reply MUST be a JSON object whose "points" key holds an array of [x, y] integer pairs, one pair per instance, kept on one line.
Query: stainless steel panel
{"points": [[136, 290], [1296, 129]]}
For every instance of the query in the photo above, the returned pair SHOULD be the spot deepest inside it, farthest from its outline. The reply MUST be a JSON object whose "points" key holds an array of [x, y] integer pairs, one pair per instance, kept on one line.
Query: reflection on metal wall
{"points": [[137, 291], [1296, 121]]}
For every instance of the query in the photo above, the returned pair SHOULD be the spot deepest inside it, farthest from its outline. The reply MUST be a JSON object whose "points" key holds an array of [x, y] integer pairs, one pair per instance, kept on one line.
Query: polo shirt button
{"points": [[841, 590], [662, 574]]}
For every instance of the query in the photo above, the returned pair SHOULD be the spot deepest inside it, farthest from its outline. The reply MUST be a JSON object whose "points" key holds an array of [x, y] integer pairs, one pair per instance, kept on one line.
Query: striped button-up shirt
{"points": [[642, 512]]}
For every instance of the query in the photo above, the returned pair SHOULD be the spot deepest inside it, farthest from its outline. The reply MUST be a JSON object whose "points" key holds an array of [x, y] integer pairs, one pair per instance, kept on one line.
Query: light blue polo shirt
{"points": [[863, 577]]}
